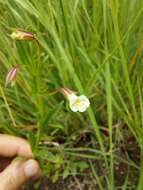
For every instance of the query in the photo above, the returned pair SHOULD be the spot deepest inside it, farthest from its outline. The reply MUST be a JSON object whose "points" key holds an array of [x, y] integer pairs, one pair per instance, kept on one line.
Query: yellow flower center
{"points": [[78, 103]]}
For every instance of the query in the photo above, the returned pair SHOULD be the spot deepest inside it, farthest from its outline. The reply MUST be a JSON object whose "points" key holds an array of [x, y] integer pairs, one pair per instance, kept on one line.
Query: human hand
{"points": [[14, 174]]}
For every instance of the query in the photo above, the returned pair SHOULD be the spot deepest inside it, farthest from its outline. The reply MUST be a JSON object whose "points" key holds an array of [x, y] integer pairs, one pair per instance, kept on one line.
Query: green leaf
{"points": [[66, 172], [82, 165]]}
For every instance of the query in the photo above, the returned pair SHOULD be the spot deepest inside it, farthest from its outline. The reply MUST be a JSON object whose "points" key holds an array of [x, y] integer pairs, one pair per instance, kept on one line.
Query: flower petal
{"points": [[73, 107], [85, 99], [72, 97], [82, 109]]}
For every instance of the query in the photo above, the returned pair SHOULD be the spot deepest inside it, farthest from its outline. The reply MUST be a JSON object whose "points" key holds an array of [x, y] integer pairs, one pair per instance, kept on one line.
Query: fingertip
{"points": [[18, 173], [25, 149], [32, 169]]}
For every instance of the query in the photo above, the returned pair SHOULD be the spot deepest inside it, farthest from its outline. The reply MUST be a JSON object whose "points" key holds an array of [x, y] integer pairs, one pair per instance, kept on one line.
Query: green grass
{"points": [[95, 48]]}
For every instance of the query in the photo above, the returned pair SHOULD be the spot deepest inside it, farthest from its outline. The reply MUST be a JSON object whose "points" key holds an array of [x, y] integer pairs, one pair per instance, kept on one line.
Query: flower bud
{"points": [[11, 75], [22, 35]]}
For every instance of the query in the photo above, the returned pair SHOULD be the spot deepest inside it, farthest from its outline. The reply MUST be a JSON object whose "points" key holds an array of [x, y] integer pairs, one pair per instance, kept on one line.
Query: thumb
{"points": [[17, 173]]}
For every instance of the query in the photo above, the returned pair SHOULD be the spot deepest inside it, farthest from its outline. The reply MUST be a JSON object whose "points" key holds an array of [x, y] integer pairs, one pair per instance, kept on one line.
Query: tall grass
{"points": [[93, 47]]}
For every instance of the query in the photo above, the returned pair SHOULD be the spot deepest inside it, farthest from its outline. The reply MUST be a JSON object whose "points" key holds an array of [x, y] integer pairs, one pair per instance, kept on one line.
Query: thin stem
{"points": [[7, 106]]}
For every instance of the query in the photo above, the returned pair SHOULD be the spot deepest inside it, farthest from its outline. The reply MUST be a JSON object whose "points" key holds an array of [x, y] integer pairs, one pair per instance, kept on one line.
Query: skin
{"points": [[13, 174]]}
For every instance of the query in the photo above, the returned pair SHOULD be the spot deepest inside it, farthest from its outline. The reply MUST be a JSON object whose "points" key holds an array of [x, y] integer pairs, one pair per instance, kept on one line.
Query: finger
{"points": [[12, 146], [17, 173]]}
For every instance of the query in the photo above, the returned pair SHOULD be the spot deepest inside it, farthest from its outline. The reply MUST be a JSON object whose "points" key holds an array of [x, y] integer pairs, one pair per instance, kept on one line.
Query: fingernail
{"points": [[31, 168]]}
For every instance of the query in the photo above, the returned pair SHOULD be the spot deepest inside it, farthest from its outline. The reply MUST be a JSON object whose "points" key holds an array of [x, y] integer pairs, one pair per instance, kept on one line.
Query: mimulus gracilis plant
{"points": [[79, 46]]}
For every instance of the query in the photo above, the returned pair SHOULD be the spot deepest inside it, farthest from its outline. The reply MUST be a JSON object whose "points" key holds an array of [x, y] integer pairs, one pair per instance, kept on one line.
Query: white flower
{"points": [[78, 103]]}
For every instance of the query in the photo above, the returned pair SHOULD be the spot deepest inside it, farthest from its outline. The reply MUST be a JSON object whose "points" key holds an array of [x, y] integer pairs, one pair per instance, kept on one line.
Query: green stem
{"points": [[7, 106]]}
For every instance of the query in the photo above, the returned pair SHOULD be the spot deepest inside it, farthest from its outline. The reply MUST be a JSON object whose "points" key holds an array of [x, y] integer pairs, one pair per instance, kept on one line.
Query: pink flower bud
{"points": [[11, 75], [22, 35]]}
